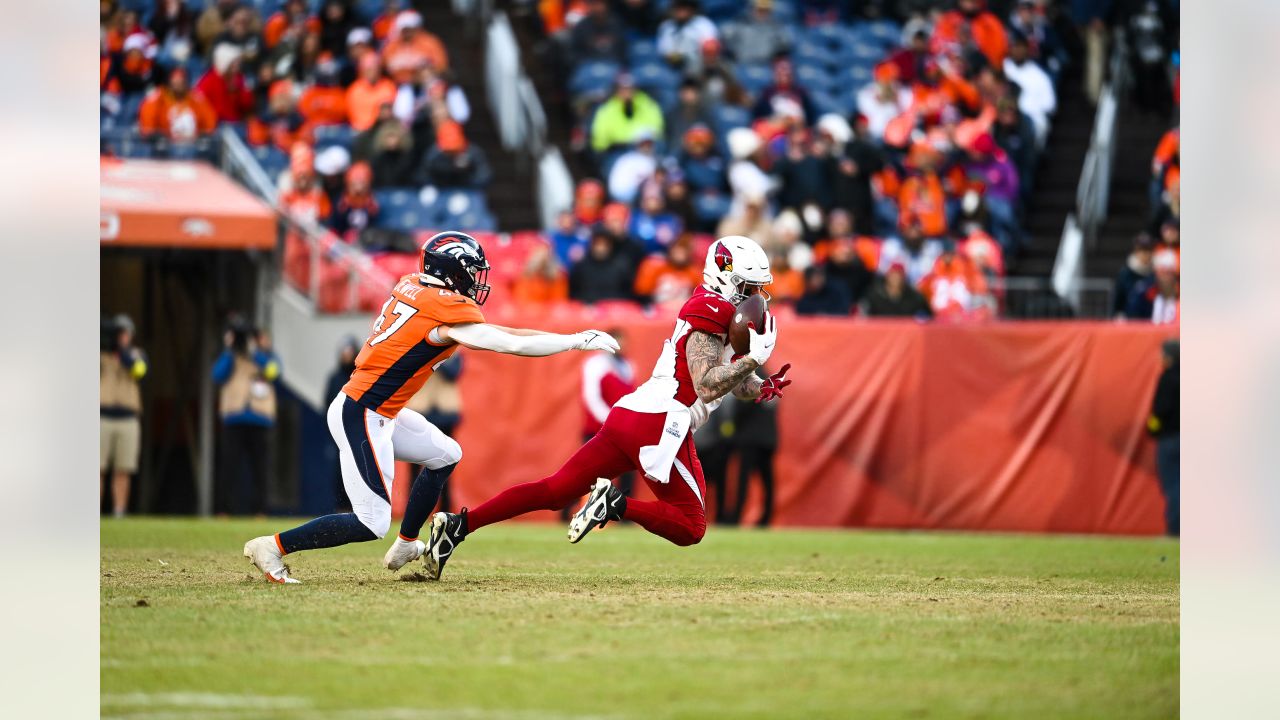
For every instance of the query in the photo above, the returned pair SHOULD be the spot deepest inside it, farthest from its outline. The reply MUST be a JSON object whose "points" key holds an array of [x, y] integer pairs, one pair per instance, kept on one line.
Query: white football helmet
{"points": [[733, 264]]}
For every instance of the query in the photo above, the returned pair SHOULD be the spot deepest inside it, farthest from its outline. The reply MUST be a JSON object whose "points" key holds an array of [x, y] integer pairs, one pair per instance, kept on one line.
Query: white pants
{"points": [[368, 446]]}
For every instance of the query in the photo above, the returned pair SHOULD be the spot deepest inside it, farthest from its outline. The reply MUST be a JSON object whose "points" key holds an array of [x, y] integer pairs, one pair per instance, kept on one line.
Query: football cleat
{"points": [[605, 503], [265, 554], [402, 552], [447, 530]]}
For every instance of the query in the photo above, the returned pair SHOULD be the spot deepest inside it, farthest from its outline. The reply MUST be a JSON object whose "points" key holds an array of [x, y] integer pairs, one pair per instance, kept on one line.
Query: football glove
{"points": [[596, 340], [762, 342], [771, 389]]}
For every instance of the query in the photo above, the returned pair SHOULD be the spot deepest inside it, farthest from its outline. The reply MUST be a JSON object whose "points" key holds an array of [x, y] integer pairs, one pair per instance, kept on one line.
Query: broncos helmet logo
{"points": [[724, 258]]}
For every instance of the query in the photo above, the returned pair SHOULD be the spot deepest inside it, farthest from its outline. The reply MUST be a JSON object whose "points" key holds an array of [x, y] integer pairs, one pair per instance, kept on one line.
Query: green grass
{"points": [[745, 625]]}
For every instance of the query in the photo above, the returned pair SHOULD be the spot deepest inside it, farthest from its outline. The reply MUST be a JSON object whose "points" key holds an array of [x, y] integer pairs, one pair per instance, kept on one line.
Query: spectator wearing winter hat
{"points": [[989, 167], [412, 48], [822, 297], [757, 37], [622, 118], [971, 18], [669, 279], [324, 102], [1036, 96], [304, 198], [597, 36], [892, 296], [680, 36], [633, 167], [174, 112], [224, 86], [454, 162], [278, 123], [717, 78], [915, 49], [883, 99], [588, 202], [242, 31], [542, 279], [703, 167], [954, 288], [569, 238], [921, 197], [606, 273], [652, 225], [384, 24], [357, 208], [691, 109], [1137, 269], [289, 24], [1157, 299], [136, 71], [784, 89], [749, 218], [746, 178], [370, 91]]}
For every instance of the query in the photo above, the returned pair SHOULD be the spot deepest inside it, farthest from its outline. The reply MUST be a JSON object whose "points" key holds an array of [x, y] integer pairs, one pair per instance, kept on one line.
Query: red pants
{"points": [[678, 514]]}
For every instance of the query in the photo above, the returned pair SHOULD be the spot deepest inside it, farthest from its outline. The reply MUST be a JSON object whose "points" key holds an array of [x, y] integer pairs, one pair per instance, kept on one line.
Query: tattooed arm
{"points": [[748, 389], [711, 379]]}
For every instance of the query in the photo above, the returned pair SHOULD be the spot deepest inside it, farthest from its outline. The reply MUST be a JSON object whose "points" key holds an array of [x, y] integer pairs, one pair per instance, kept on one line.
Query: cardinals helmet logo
{"points": [[724, 259]]}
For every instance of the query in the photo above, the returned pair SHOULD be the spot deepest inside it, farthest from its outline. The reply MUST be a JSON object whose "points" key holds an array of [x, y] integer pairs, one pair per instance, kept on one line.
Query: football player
{"points": [[428, 316], [651, 429]]}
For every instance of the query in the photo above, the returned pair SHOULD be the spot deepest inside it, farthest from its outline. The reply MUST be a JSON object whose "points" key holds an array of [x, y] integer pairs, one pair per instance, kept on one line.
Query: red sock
{"points": [[515, 500]]}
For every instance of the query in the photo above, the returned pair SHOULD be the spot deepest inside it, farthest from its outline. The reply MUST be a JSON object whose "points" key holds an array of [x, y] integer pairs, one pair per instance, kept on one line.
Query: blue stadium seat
{"points": [[709, 207], [328, 135], [642, 51], [814, 54], [888, 32], [367, 10], [591, 78], [785, 12], [702, 175], [722, 10], [196, 68], [731, 116], [655, 77], [831, 35], [754, 78], [860, 52], [815, 77], [857, 76], [825, 102]]}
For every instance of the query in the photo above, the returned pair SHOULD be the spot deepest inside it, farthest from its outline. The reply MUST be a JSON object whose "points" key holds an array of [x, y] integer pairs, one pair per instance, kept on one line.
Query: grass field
{"points": [[745, 625]]}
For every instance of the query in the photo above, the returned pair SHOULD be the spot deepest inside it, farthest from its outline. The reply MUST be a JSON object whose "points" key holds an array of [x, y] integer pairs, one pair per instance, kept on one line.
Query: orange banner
{"points": [[153, 203], [1034, 427]]}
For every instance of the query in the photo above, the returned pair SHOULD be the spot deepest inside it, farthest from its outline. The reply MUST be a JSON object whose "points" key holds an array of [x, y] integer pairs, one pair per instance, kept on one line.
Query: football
{"points": [[752, 311]]}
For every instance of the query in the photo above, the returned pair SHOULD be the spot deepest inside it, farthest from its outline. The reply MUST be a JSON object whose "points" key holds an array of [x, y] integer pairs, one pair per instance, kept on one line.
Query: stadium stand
{"points": [[925, 124]]}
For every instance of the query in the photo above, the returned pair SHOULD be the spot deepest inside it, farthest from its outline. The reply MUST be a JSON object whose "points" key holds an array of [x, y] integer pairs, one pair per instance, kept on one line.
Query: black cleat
{"points": [[605, 503], [447, 530]]}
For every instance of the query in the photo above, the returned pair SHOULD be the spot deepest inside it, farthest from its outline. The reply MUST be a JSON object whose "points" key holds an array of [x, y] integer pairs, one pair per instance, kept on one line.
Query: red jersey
{"points": [[399, 356], [671, 379]]}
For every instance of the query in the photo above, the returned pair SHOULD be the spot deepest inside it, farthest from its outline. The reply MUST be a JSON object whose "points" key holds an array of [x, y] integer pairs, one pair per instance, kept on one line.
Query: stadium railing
{"points": [[1037, 298], [1080, 231]]}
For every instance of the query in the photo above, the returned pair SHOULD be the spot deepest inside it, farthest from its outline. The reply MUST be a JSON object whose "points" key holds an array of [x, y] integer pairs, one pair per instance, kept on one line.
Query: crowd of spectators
{"points": [[341, 101], [885, 163]]}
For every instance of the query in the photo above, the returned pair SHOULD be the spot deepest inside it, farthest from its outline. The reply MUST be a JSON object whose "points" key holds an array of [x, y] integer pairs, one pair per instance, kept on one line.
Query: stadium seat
{"points": [[327, 135], [709, 207], [863, 53], [825, 102], [731, 116], [810, 54], [642, 51], [655, 77], [831, 35], [888, 32], [815, 78], [855, 76], [785, 12], [593, 78], [754, 78], [722, 10]]}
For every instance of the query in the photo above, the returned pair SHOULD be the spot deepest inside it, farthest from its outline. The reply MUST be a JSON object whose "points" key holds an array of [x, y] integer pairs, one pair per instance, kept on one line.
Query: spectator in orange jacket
{"points": [[970, 20], [788, 282], [368, 93], [383, 24], [224, 85], [955, 288], [542, 280], [411, 49], [304, 199], [290, 24], [175, 112], [669, 279], [324, 103], [921, 196], [280, 124]]}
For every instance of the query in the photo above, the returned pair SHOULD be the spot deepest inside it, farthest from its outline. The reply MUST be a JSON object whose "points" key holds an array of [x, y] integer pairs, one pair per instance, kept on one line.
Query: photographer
{"points": [[246, 372], [121, 366]]}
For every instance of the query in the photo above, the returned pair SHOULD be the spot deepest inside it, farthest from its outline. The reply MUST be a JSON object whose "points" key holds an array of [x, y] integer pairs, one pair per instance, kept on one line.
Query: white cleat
{"points": [[402, 552], [605, 503], [265, 554]]}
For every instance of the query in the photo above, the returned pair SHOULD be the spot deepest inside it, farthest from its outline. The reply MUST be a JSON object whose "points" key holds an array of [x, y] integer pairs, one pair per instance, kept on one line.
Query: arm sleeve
{"points": [[222, 367], [480, 336]]}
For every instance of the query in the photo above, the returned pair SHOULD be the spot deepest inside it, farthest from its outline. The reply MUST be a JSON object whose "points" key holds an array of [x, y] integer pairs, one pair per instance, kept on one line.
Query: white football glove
{"points": [[595, 340], [762, 342]]}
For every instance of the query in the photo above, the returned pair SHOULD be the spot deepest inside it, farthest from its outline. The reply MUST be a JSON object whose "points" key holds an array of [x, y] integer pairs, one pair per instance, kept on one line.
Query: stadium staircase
{"points": [[511, 194], [1057, 179], [1137, 134]]}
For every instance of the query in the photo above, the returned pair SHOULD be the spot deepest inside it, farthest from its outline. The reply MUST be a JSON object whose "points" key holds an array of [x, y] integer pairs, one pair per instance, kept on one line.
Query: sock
{"points": [[515, 500], [423, 497], [323, 532]]}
